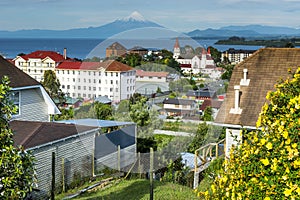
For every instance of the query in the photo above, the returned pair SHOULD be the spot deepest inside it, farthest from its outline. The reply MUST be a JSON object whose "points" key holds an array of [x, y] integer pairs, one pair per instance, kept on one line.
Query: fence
{"points": [[204, 155]]}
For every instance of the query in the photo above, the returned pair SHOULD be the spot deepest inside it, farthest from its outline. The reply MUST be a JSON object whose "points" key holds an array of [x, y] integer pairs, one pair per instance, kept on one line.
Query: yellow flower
{"points": [[269, 145], [267, 198], [294, 145], [213, 188], [285, 134], [287, 192], [297, 163], [287, 170], [265, 161], [298, 191], [288, 141], [262, 141], [284, 177]]}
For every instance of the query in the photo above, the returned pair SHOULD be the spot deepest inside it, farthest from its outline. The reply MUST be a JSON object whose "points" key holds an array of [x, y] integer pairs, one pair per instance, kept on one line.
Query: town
{"points": [[186, 122]]}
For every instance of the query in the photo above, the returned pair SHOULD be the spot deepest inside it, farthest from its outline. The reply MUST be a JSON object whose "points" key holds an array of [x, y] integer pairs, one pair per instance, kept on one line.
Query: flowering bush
{"points": [[267, 164]]}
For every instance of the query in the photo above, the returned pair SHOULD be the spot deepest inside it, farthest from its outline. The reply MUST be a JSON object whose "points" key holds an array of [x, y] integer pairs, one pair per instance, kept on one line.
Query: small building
{"points": [[179, 107], [202, 94], [32, 100], [115, 50], [138, 50]]}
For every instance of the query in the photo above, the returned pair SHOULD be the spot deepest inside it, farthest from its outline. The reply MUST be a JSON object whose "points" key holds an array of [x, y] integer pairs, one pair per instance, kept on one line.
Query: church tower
{"points": [[176, 52]]}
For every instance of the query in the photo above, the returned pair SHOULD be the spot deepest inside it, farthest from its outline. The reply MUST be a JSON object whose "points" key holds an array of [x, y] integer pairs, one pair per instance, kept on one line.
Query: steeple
{"points": [[176, 52], [176, 44]]}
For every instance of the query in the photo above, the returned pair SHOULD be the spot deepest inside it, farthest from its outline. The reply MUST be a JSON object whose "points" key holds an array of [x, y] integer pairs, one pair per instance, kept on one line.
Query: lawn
{"points": [[139, 189]]}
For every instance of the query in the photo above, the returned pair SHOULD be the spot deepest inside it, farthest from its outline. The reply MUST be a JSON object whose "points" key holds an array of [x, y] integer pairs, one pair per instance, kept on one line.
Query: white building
{"points": [[92, 79], [36, 63], [236, 56], [191, 63]]}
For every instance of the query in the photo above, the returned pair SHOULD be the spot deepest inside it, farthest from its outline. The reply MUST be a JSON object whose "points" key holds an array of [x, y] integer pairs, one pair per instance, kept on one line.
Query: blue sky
{"points": [[183, 15]]}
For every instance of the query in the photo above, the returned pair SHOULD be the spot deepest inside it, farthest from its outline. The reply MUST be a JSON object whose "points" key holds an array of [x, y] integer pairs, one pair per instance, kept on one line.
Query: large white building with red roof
{"points": [[37, 62], [93, 79]]}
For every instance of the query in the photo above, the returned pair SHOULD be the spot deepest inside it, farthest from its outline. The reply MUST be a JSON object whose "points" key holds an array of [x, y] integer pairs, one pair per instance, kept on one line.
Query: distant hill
{"points": [[135, 20], [248, 31]]}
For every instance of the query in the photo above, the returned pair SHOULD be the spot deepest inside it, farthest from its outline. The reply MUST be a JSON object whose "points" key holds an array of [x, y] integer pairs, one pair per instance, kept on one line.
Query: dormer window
{"points": [[15, 98]]}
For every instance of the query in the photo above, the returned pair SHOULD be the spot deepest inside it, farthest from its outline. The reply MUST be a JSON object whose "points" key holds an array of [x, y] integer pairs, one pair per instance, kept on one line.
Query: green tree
{"points": [[199, 137], [215, 54], [266, 164], [228, 71], [52, 86], [17, 173], [208, 114], [102, 111], [66, 113], [139, 112]]}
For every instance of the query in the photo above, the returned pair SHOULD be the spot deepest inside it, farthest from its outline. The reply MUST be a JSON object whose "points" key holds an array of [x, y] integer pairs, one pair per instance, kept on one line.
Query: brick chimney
{"points": [[65, 53]]}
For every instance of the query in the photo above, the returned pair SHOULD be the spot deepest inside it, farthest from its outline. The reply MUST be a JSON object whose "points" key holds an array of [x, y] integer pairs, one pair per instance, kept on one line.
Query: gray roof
{"points": [[177, 101], [96, 122]]}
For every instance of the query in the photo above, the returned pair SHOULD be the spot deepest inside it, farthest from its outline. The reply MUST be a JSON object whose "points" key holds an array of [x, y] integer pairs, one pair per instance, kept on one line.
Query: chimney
{"points": [[245, 81], [236, 109], [65, 53]]}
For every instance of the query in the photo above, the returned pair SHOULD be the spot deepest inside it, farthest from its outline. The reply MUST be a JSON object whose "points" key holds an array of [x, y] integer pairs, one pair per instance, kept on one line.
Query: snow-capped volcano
{"points": [[133, 21], [135, 16]]}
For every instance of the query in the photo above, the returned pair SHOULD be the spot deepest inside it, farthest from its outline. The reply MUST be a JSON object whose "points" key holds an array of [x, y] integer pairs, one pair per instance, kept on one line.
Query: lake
{"points": [[83, 48]]}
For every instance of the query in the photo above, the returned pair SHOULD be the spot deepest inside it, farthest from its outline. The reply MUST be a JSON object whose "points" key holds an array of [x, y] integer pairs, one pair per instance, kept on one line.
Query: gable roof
{"points": [[110, 65], [16, 76], [265, 67], [204, 93], [57, 57], [31, 134], [177, 101], [116, 46], [152, 74]]}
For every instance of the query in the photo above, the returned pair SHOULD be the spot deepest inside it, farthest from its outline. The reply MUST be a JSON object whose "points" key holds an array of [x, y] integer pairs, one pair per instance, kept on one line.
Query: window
{"points": [[117, 89], [111, 89], [99, 88], [94, 88], [84, 80], [89, 80], [73, 79], [74, 74], [78, 80], [84, 87], [105, 73], [94, 73], [111, 82], [68, 87], [90, 88], [89, 73], [111, 74], [117, 74], [63, 86], [79, 88], [99, 81], [94, 80], [15, 98], [117, 82], [89, 95]]}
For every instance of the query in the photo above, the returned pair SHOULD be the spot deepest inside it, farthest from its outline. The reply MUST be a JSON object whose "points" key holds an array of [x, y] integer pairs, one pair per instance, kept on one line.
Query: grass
{"points": [[139, 189]]}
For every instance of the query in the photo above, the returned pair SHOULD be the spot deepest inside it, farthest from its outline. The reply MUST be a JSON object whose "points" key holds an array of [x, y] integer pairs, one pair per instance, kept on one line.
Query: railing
{"points": [[206, 154]]}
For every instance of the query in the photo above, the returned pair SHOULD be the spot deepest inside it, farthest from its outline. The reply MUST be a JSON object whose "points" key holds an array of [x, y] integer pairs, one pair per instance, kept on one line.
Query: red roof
{"points": [[107, 65], [176, 45], [185, 65], [153, 74], [57, 57]]}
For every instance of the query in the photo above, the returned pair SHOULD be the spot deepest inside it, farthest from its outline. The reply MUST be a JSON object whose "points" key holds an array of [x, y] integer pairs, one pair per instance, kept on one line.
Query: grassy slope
{"points": [[139, 189]]}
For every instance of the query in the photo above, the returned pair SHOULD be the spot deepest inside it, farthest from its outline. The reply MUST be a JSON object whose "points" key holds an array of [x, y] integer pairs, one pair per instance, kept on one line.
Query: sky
{"points": [[178, 15]]}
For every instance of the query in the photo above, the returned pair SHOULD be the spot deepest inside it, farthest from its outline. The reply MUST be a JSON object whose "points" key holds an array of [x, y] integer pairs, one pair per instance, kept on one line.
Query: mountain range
{"points": [[136, 20]]}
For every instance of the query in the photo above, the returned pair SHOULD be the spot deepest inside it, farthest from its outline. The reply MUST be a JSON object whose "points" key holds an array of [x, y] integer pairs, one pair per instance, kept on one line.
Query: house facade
{"points": [[250, 82], [179, 107], [36, 63], [33, 102], [92, 79]]}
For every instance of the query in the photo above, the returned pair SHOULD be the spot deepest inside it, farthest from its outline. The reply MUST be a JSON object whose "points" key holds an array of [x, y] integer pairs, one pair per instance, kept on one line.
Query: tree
{"points": [[66, 113], [228, 72], [103, 111], [215, 54], [17, 174], [267, 164], [208, 114], [52, 86]]}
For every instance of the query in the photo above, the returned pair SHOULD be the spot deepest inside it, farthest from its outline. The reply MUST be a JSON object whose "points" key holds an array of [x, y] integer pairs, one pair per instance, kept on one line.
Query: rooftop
{"points": [[265, 68], [16, 76]]}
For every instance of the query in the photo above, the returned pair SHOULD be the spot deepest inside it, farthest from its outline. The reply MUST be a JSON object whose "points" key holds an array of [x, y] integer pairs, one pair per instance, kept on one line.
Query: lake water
{"points": [[83, 48]]}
